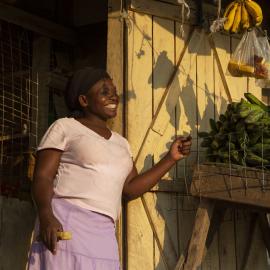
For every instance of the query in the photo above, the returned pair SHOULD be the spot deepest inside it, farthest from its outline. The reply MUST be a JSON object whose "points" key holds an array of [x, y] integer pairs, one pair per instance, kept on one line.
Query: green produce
{"points": [[240, 134], [255, 160], [253, 100], [254, 116], [213, 125]]}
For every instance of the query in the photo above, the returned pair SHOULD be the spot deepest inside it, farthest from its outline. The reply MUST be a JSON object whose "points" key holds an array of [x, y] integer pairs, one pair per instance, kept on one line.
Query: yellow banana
{"points": [[255, 11], [64, 235], [237, 19], [230, 18], [228, 8], [245, 19]]}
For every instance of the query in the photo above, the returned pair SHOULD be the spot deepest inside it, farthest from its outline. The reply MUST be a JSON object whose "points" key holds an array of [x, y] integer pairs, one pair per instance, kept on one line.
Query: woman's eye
{"points": [[108, 92], [105, 92]]}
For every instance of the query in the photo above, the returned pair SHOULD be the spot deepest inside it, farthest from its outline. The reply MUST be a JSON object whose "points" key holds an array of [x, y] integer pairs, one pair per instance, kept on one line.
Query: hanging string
{"points": [[184, 6], [245, 142], [124, 16], [218, 24], [230, 165], [263, 189]]}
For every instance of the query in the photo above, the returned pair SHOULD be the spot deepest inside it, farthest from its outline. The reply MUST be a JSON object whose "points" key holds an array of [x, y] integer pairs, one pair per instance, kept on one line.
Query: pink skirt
{"points": [[93, 245]]}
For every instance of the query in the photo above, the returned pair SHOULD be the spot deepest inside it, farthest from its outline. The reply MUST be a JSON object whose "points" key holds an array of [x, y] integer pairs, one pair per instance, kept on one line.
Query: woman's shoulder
{"points": [[64, 122]]}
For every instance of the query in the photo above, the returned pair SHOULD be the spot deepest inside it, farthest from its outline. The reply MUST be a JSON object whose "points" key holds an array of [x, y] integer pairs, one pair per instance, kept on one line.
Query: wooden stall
{"points": [[171, 85]]}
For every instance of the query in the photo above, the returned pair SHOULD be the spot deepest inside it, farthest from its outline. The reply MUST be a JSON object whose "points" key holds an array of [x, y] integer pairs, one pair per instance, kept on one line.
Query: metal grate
{"points": [[18, 110]]}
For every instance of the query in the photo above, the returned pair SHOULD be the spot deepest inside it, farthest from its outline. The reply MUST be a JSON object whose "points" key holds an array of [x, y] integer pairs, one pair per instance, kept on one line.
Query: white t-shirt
{"points": [[92, 170]]}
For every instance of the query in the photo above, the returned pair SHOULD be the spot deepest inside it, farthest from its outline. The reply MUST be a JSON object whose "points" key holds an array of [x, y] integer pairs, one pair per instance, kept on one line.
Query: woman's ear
{"points": [[83, 101]]}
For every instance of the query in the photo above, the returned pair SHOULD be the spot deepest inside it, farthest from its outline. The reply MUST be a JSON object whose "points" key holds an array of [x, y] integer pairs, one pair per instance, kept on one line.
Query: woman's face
{"points": [[102, 99]]}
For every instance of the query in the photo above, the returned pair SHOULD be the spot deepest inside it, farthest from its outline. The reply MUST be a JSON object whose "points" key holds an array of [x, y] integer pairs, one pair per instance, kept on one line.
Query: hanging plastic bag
{"points": [[248, 59], [264, 43]]}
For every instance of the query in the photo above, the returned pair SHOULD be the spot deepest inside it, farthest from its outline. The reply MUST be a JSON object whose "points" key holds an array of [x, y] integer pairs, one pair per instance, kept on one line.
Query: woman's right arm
{"points": [[42, 191]]}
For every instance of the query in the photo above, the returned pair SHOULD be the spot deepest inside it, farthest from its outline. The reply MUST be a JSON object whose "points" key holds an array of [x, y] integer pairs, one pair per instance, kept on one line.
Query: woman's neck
{"points": [[93, 120]]}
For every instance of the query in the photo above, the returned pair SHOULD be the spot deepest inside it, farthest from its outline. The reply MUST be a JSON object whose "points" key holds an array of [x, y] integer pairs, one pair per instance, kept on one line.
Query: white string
{"points": [[244, 158], [184, 7], [218, 24], [262, 164], [124, 16], [230, 164]]}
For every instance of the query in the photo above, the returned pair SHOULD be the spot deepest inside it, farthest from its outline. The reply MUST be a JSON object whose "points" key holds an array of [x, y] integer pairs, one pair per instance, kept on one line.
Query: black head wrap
{"points": [[79, 84]]}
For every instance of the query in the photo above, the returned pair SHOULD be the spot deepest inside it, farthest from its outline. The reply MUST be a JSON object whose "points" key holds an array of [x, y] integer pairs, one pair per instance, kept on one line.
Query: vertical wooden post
{"points": [[41, 68], [115, 59], [115, 67], [199, 235]]}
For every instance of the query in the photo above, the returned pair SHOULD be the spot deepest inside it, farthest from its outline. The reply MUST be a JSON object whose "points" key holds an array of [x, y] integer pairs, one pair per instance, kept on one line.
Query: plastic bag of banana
{"points": [[264, 43], [249, 59], [241, 15]]}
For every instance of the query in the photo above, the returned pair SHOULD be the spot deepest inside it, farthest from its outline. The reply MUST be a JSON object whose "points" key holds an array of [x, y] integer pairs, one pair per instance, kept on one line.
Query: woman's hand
{"points": [[180, 148], [49, 226]]}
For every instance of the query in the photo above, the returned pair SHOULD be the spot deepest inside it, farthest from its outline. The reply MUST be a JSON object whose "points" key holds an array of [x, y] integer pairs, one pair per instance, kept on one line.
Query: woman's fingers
{"points": [[53, 241]]}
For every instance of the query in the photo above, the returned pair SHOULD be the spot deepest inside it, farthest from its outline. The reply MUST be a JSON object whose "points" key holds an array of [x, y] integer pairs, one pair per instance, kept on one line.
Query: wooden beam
{"points": [[265, 229], [199, 235], [115, 67], [251, 235], [177, 186], [37, 24], [160, 9], [172, 11], [57, 81]]}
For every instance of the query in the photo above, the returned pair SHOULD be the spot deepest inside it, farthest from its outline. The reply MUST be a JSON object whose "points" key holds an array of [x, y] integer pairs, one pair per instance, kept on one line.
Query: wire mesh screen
{"points": [[18, 110]]}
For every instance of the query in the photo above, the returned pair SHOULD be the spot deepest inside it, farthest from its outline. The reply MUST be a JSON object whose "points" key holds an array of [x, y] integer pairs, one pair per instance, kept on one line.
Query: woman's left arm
{"points": [[137, 184]]}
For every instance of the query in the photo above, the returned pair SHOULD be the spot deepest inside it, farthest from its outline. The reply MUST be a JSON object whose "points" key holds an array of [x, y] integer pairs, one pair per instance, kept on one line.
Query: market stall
{"points": [[175, 78]]}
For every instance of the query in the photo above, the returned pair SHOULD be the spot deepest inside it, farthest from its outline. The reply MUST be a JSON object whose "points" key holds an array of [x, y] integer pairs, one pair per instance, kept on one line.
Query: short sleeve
{"points": [[129, 148], [54, 137]]}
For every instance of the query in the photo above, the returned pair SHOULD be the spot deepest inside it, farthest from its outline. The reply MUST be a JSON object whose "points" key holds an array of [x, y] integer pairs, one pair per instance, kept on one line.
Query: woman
{"points": [[82, 170]]}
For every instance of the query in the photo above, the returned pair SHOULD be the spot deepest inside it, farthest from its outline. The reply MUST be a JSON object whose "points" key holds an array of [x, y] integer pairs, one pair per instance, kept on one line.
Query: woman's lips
{"points": [[111, 106]]}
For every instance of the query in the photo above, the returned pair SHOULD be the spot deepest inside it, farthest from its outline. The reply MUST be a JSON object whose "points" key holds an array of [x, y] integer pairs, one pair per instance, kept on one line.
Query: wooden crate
{"points": [[235, 184]]}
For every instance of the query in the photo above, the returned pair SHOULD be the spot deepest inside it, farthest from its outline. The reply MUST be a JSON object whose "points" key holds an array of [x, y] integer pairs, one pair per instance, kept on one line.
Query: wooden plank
{"points": [[226, 241], [37, 24], [250, 239], [160, 9], [162, 208], [187, 207], [139, 238], [238, 85], [139, 97], [181, 127], [199, 235], [175, 186], [205, 90], [40, 70], [159, 124], [115, 67], [163, 67], [220, 69], [170, 9], [115, 61], [211, 254], [265, 229], [206, 110], [57, 81], [257, 258], [231, 188], [221, 98], [188, 109]]}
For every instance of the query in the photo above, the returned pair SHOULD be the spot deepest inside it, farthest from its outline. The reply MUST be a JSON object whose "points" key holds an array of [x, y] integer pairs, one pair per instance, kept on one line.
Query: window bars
{"points": [[18, 110]]}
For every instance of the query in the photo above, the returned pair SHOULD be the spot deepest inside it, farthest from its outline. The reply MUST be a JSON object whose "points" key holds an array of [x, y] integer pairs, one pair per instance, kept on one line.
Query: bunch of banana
{"points": [[241, 15]]}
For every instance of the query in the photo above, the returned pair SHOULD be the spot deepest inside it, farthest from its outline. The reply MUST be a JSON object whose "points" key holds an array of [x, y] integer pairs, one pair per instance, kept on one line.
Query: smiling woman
{"points": [[82, 170]]}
